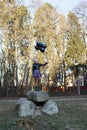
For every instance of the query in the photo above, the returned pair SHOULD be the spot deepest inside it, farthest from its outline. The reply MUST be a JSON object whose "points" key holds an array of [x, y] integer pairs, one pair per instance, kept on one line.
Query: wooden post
{"points": [[78, 86]]}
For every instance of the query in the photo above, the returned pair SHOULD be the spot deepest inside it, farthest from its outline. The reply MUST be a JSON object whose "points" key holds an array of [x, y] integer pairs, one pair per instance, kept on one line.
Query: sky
{"points": [[63, 6]]}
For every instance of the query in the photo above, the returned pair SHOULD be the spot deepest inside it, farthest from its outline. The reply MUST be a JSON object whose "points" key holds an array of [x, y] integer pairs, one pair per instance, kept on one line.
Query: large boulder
{"points": [[50, 107], [37, 96], [27, 108], [19, 102]]}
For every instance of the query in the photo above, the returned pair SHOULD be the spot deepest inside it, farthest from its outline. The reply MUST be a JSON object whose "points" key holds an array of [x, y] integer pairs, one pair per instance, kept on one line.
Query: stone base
{"points": [[29, 108], [37, 96]]}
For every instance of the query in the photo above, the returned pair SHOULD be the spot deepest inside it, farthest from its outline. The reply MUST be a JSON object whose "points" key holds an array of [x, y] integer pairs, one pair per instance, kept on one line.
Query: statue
{"points": [[36, 66]]}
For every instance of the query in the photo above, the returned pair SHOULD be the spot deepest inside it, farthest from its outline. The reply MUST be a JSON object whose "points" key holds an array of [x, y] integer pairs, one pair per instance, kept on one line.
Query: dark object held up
{"points": [[40, 46]]}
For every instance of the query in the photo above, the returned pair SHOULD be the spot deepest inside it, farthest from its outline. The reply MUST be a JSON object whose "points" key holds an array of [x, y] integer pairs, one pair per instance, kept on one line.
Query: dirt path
{"points": [[69, 98], [60, 98]]}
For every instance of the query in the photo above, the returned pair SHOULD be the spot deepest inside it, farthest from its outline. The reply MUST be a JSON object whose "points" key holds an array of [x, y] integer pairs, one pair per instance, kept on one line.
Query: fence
{"points": [[19, 91]]}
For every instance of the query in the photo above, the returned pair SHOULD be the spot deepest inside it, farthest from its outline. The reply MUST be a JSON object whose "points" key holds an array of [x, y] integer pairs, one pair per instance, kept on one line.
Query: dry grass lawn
{"points": [[72, 116]]}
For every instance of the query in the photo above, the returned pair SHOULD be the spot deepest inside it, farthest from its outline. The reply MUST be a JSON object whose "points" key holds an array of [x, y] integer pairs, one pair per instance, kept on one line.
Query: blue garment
{"points": [[37, 74], [36, 69]]}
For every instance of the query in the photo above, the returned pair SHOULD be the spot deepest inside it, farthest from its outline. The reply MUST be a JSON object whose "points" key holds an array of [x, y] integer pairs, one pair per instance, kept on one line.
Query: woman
{"points": [[37, 74]]}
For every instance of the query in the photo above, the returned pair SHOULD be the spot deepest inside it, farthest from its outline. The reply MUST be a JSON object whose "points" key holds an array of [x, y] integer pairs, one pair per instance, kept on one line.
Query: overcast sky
{"points": [[63, 6]]}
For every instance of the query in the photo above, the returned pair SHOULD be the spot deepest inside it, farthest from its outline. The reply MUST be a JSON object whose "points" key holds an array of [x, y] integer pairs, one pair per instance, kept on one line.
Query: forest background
{"points": [[65, 37]]}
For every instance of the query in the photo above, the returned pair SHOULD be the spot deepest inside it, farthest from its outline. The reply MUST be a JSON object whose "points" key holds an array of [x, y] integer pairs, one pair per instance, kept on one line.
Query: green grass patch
{"points": [[72, 115]]}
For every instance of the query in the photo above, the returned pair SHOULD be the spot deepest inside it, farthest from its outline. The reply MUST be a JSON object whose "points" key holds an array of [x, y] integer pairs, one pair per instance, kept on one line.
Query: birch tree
{"points": [[46, 26], [12, 23]]}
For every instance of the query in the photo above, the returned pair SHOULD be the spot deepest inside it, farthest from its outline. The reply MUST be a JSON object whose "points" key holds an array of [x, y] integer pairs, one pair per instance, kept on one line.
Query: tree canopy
{"points": [[66, 39]]}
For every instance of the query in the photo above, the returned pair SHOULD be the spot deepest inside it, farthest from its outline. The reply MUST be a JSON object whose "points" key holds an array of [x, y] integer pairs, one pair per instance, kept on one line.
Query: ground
{"points": [[72, 116]]}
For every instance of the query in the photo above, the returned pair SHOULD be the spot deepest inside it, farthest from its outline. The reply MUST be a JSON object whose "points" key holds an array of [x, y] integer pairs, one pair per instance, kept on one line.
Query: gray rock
{"points": [[50, 107], [21, 100], [27, 108], [37, 96]]}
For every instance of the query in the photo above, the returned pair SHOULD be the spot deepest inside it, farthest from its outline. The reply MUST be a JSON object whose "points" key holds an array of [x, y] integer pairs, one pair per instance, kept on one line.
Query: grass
{"points": [[72, 116]]}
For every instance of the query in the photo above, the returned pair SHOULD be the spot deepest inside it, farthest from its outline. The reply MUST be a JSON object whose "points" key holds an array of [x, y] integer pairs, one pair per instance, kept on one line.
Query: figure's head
{"points": [[35, 60]]}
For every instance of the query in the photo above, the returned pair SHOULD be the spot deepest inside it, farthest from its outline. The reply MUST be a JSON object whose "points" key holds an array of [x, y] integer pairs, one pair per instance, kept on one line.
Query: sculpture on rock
{"points": [[36, 66]]}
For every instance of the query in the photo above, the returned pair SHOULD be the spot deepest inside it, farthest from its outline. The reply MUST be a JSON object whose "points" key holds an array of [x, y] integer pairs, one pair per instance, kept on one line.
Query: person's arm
{"points": [[43, 64]]}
